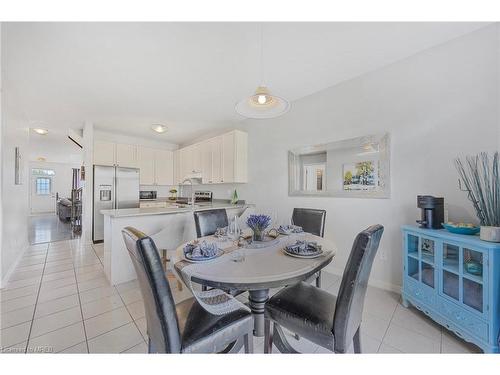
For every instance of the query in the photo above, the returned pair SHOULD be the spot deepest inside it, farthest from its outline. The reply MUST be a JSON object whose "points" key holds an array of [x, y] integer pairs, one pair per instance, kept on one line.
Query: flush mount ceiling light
{"points": [[159, 128], [40, 131], [262, 104]]}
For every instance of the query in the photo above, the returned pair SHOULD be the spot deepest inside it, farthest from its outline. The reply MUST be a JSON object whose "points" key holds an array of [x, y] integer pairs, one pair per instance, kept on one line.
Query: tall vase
{"points": [[258, 235]]}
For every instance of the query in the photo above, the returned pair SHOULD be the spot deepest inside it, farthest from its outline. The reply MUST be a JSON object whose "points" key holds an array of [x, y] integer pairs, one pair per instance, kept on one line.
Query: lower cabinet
{"points": [[455, 279]]}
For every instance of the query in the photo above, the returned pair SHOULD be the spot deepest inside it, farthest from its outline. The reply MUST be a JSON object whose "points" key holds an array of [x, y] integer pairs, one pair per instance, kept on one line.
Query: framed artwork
{"points": [[361, 175]]}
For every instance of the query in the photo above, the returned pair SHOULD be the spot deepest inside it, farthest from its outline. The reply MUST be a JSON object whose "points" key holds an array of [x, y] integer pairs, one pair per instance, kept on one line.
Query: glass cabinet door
{"points": [[462, 276], [472, 286]]}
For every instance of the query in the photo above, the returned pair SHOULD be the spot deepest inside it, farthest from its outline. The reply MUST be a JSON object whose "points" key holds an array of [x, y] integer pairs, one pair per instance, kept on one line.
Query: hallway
{"points": [[48, 228]]}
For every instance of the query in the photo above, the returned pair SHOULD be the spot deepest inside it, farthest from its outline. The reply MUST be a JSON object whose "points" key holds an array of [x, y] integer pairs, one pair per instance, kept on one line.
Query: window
{"points": [[43, 185]]}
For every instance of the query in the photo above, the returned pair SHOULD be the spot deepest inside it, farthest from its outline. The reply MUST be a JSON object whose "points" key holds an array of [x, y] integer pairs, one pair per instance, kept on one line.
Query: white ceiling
{"points": [[126, 76], [55, 147]]}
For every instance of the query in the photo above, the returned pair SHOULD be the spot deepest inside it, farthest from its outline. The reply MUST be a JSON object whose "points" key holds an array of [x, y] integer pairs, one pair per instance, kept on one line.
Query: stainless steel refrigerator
{"points": [[114, 188]]}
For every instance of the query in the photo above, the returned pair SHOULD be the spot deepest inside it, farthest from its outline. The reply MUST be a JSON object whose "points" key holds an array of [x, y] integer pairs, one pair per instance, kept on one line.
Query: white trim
{"points": [[8, 274], [372, 282]]}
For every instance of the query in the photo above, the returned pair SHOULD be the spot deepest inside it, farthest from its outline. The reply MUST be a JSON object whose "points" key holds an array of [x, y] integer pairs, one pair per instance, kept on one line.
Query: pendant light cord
{"points": [[262, 54]]}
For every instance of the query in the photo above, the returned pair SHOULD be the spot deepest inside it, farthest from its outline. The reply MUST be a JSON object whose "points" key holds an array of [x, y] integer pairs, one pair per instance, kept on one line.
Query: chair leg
{"points": [[268, 337], [248, 342], [318, 280], [357, 342]]}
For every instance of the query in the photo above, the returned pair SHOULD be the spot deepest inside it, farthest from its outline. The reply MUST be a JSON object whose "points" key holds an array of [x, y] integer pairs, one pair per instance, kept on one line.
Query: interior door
{"points": [[43, 197]]}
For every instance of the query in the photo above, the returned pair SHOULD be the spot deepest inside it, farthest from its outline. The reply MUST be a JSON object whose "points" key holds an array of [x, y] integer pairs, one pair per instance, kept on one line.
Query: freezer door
{"points": [[104, 195], [127, 187]]}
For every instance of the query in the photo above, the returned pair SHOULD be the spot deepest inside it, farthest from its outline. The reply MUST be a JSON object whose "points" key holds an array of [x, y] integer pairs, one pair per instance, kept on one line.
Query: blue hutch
{"points": [[454, 279]]}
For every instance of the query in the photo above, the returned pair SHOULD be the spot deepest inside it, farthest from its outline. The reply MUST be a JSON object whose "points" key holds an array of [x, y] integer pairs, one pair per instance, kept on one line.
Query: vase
{"points": [[258, 235], [490, 234]]}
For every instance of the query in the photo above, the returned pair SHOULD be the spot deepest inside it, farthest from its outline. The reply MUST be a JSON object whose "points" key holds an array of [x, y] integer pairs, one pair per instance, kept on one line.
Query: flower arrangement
{"points": [[258, 224]]}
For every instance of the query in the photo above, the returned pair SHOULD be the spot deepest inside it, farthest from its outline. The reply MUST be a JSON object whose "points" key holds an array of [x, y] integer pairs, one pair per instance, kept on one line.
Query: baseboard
{"points": [[6, 277], [372, 282]]}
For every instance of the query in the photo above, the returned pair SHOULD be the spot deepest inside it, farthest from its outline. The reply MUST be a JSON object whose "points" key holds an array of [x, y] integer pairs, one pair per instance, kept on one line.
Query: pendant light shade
{"points": [[262, 105]]}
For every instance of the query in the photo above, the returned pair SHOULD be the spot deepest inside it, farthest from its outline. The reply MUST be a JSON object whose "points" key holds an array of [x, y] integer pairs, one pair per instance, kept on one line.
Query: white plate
{"points": [[219, 253]]}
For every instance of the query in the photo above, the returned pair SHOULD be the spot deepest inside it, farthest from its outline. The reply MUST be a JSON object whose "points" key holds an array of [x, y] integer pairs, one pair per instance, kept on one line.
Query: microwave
{"points": [[147, 194]]}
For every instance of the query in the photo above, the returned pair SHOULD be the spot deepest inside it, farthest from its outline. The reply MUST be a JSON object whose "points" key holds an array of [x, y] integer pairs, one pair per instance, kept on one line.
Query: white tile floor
{"points": [[58, 300]]}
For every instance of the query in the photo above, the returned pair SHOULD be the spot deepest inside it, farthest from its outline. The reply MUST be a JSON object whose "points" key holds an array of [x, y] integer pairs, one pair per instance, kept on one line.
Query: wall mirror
{"points": [[355, 168]]}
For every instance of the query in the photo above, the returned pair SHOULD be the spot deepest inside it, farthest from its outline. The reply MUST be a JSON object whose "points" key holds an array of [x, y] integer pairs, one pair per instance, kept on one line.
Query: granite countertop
{"points": [[174, 209]]}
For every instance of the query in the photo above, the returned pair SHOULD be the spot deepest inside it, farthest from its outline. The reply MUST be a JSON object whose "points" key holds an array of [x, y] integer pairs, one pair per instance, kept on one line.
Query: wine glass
{"points": [[233, 230]]}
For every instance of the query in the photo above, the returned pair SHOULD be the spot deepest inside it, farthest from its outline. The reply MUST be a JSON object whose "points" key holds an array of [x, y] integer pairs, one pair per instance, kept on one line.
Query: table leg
{"points": [[257, 299]]}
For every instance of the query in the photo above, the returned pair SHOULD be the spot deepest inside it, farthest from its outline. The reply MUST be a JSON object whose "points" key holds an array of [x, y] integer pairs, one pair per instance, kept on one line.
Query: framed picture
{"points": [[360, 175]]}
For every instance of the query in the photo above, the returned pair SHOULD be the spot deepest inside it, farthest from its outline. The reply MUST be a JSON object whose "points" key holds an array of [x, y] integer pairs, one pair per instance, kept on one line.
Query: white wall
{"points": [[436, 104]]}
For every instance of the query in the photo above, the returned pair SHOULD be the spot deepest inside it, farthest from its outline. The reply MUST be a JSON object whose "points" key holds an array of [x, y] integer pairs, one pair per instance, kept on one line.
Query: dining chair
{"points": [[312, 221], [208, 221], [330, 321], [166, 251], [184, 327]]}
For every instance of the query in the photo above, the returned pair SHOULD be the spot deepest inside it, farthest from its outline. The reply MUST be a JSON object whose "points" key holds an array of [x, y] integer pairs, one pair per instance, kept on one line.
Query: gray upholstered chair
{"points": [[207, 221], [330, 321], [312, 221], [184, 327]]}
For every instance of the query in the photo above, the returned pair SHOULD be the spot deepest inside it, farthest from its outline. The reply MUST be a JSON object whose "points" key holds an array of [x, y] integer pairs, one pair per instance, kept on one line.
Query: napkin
{"points": [[304, 248], [290, 229], [201, 250]]}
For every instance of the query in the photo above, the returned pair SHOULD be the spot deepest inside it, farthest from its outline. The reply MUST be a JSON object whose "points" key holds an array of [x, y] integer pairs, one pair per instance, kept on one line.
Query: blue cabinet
{"points": [[455, 279]]}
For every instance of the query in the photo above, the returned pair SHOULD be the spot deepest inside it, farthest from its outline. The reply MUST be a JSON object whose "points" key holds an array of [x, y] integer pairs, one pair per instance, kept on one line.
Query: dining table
{"points": [[256, 269]]}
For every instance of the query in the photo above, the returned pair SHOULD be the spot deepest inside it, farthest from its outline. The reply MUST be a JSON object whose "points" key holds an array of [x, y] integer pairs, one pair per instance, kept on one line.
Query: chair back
{"points": [[351, 296], [161, 316], [208, 221], [310, 219]]}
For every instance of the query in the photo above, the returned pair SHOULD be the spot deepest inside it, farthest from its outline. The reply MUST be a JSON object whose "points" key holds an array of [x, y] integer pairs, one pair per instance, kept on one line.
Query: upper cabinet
{"points": [[156, 165], [164, 167], [146, 163], [104, 153], [110, 153], [126, 155], [222, 159]]}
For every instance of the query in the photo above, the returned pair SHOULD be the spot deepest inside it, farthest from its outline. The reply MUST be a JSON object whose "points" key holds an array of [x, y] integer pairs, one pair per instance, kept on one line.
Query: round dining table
{"points": [[260, 270]]}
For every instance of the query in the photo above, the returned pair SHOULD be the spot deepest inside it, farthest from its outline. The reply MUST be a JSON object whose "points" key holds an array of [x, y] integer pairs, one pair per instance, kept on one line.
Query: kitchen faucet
{"points": [[190, 180]]}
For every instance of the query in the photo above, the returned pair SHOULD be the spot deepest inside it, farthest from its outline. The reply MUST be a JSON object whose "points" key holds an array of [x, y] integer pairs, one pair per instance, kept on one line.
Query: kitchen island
{"points": [[175, 222]]}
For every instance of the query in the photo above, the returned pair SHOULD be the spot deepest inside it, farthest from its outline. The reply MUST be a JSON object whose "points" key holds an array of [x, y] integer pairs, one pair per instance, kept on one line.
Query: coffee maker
{"points": [[432, 211]]}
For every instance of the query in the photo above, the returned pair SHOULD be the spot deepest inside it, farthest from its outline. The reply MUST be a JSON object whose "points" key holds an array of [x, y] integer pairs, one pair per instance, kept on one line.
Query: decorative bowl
{"points": [[461, 230], [474, 268]]}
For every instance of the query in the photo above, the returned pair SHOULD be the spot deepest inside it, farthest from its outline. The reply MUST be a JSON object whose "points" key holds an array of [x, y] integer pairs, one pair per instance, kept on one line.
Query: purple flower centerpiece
{"points": [[258, 224]]}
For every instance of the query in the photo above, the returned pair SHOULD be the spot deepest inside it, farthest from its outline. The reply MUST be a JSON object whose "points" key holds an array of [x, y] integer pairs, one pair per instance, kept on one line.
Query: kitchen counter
{"points": [[174, 209], [169, 227]]}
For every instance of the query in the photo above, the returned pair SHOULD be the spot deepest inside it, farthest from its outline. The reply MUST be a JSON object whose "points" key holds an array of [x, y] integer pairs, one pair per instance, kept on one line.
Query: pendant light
{"points": [[262, 104]]}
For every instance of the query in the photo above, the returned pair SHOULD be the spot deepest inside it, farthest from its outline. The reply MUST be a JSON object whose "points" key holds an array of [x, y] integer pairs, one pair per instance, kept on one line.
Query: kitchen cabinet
{"points": [[126, 155], [164, 167], [104, 153], [156, 166], [146, 164], [222, 159]]}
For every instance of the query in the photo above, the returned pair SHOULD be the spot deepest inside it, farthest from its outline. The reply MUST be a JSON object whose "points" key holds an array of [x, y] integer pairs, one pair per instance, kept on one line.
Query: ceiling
{"points": [[54, 147], [126, 76]]}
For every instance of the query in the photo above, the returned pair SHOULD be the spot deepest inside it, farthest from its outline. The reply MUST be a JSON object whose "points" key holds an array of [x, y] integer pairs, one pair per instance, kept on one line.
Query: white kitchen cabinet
{"points": [[126, 155], [206, 162], [164, 167], [104, 153], [217, 160], [221, 159], [146, 164]]}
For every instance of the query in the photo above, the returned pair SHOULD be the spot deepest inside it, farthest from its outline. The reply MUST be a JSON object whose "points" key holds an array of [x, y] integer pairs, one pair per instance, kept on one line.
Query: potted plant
{"points": [[258, 224], [479, 177], [173, 194]]}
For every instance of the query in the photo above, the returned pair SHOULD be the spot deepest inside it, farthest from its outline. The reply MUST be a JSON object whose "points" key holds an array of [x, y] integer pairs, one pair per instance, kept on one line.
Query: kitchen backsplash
{"points": [[222, 191]]}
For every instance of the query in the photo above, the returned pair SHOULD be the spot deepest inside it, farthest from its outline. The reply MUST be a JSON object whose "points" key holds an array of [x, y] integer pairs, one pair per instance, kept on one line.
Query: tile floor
{"points": [[48, 228], [58, 300]]}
